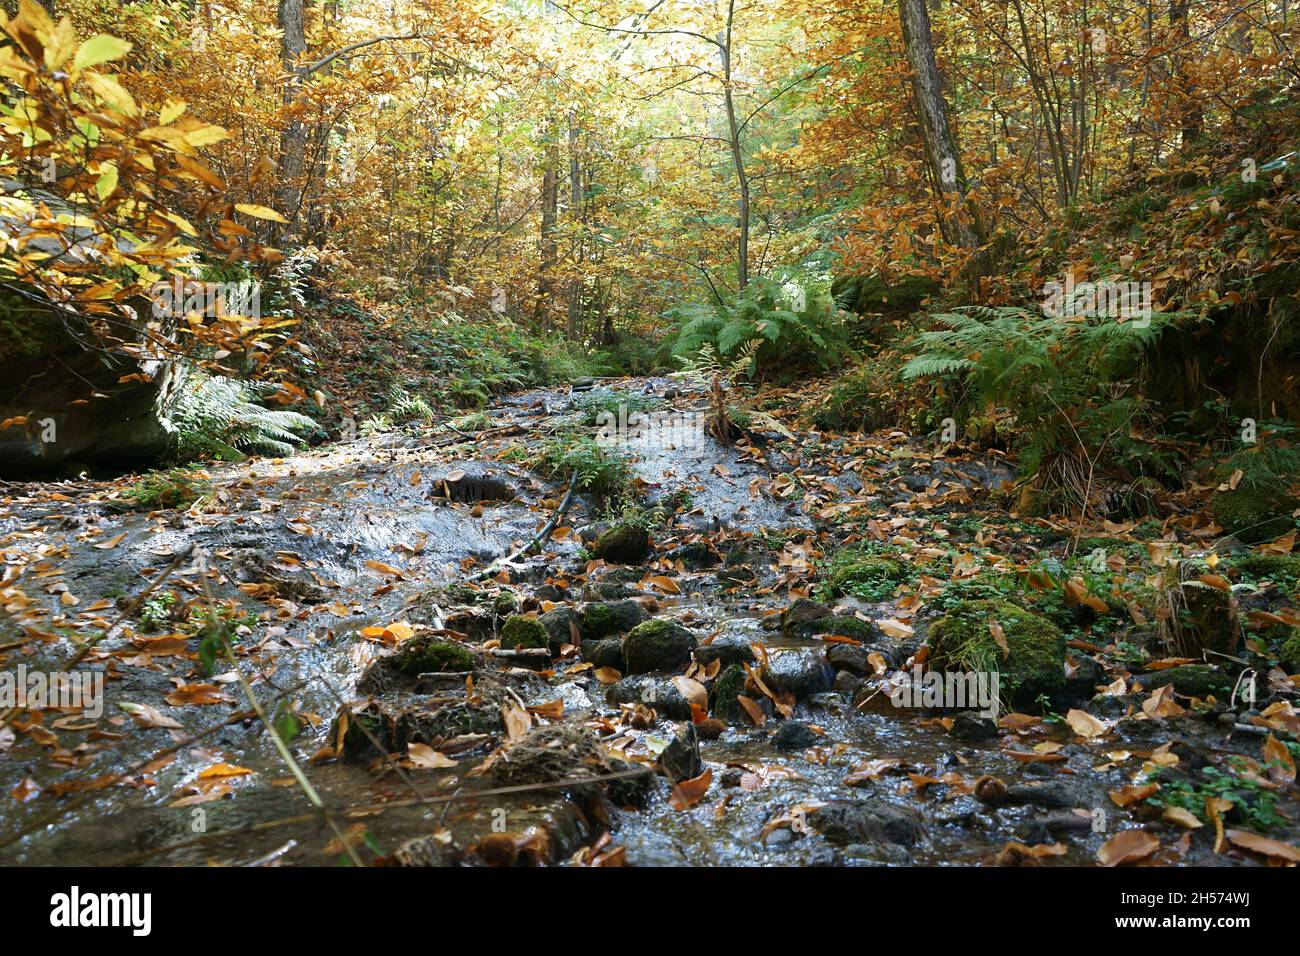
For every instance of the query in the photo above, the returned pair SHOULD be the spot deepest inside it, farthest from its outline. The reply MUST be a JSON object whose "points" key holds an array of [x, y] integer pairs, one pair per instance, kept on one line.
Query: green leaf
{"points": [[107, 181], [99, 49]]}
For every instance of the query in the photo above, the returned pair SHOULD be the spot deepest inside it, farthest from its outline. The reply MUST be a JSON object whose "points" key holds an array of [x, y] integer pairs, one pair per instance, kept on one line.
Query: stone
{"points": [[798, 671], [610, 617], [657, 645], [623, 544], [793, 735], [680, 760], [520, 632]]}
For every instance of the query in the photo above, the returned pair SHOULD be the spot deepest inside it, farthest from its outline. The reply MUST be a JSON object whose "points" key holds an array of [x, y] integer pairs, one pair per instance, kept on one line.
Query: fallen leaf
{"points": [[690, 792], [1126, 847]]}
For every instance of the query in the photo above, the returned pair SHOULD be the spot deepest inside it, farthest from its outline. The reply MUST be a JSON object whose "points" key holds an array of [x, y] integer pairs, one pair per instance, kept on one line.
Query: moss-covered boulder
{"points": [[874, 293], [723, 699], [962, 640], [625, 543], [519, 632], [1255, 514], [610, 617], [1191, 680], [657, 645], [430, 655], [870, 577]]}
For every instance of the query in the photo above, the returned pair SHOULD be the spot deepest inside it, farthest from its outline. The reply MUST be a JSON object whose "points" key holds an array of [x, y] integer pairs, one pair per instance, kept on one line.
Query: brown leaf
{"points": [[1259, 844], [755, 712], [1127, 846], [1086, 725], [690, 792]]}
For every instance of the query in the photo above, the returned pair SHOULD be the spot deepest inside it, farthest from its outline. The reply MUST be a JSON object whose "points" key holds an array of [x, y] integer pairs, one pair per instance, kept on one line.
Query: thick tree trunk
{"points": [[942, 154], [1190, 117]]}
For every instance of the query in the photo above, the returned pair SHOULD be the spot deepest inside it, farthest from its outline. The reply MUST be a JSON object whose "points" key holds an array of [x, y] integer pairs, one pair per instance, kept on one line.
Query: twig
{"points": [[537, 539]]}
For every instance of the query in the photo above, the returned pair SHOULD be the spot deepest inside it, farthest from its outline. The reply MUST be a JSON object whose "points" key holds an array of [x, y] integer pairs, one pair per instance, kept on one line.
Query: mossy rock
{"points": [[872, 293], [867, 576], [624, 543], [1255, 514], [611, 617], [801, 617], [1191, 680], [847, 626], [428, 655], [657, 645], [961, 640], [505, 603], [520, 632], [1289, 653], [729, 685]]}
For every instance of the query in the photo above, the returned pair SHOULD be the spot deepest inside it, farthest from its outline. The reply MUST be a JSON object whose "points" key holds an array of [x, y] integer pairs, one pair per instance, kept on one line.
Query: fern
{"points": [[218, 417]]}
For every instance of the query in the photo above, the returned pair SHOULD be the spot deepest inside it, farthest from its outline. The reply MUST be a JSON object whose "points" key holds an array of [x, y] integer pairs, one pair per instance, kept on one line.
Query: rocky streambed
{"points": [[706, 678]]}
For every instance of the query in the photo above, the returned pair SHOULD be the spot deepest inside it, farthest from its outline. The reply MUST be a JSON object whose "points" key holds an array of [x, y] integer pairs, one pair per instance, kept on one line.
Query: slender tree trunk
{"points": [[1189, 110], [737, 155], [576, 215], [941, 150], [550, 214]]}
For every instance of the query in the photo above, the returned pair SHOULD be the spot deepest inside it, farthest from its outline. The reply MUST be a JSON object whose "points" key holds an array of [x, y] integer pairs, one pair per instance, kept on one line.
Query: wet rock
{"points": [[558, 752], [1056, 825], [799, 671], [623, 544], [1088, 675], [611, 617], [846, 625], [680, 760], [793, 735], [971, 727], [605, 653], [848, 657], [844, 822], [557, 622], [432, 850], [657, 645], [797, 618], [727, 650], [1052, 795], [658, 693], [848, 684], [694, 556]]}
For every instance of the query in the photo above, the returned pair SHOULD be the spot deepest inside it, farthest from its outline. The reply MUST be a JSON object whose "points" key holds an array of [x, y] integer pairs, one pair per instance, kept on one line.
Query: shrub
{"points": [[790, 313], [173, 488], [600, 471]]}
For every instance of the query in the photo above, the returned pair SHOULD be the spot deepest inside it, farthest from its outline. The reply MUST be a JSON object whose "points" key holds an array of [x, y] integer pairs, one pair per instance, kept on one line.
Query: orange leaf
{"points": [[690, 792]]}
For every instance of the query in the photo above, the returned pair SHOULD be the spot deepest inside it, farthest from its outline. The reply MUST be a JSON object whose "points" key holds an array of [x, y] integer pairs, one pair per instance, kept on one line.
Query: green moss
{"points": [[520, 632], [847, 625], [427, 655], [1289, 654], [505, 603], [657, 645], [1254, 514], [730, 684], [962, 640], [865, 575], [1191, 680], [1281, 569]]}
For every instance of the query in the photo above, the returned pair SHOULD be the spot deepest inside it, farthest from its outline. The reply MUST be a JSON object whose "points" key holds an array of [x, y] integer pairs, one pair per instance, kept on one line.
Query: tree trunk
{"points": [[737, 156], [1189, 110], [942, 155], [293, 141], [550, 212]]}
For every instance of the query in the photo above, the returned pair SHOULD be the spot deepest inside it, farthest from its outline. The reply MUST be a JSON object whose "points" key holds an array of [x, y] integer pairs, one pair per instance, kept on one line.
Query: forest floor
{"points": [[329, 566]]}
